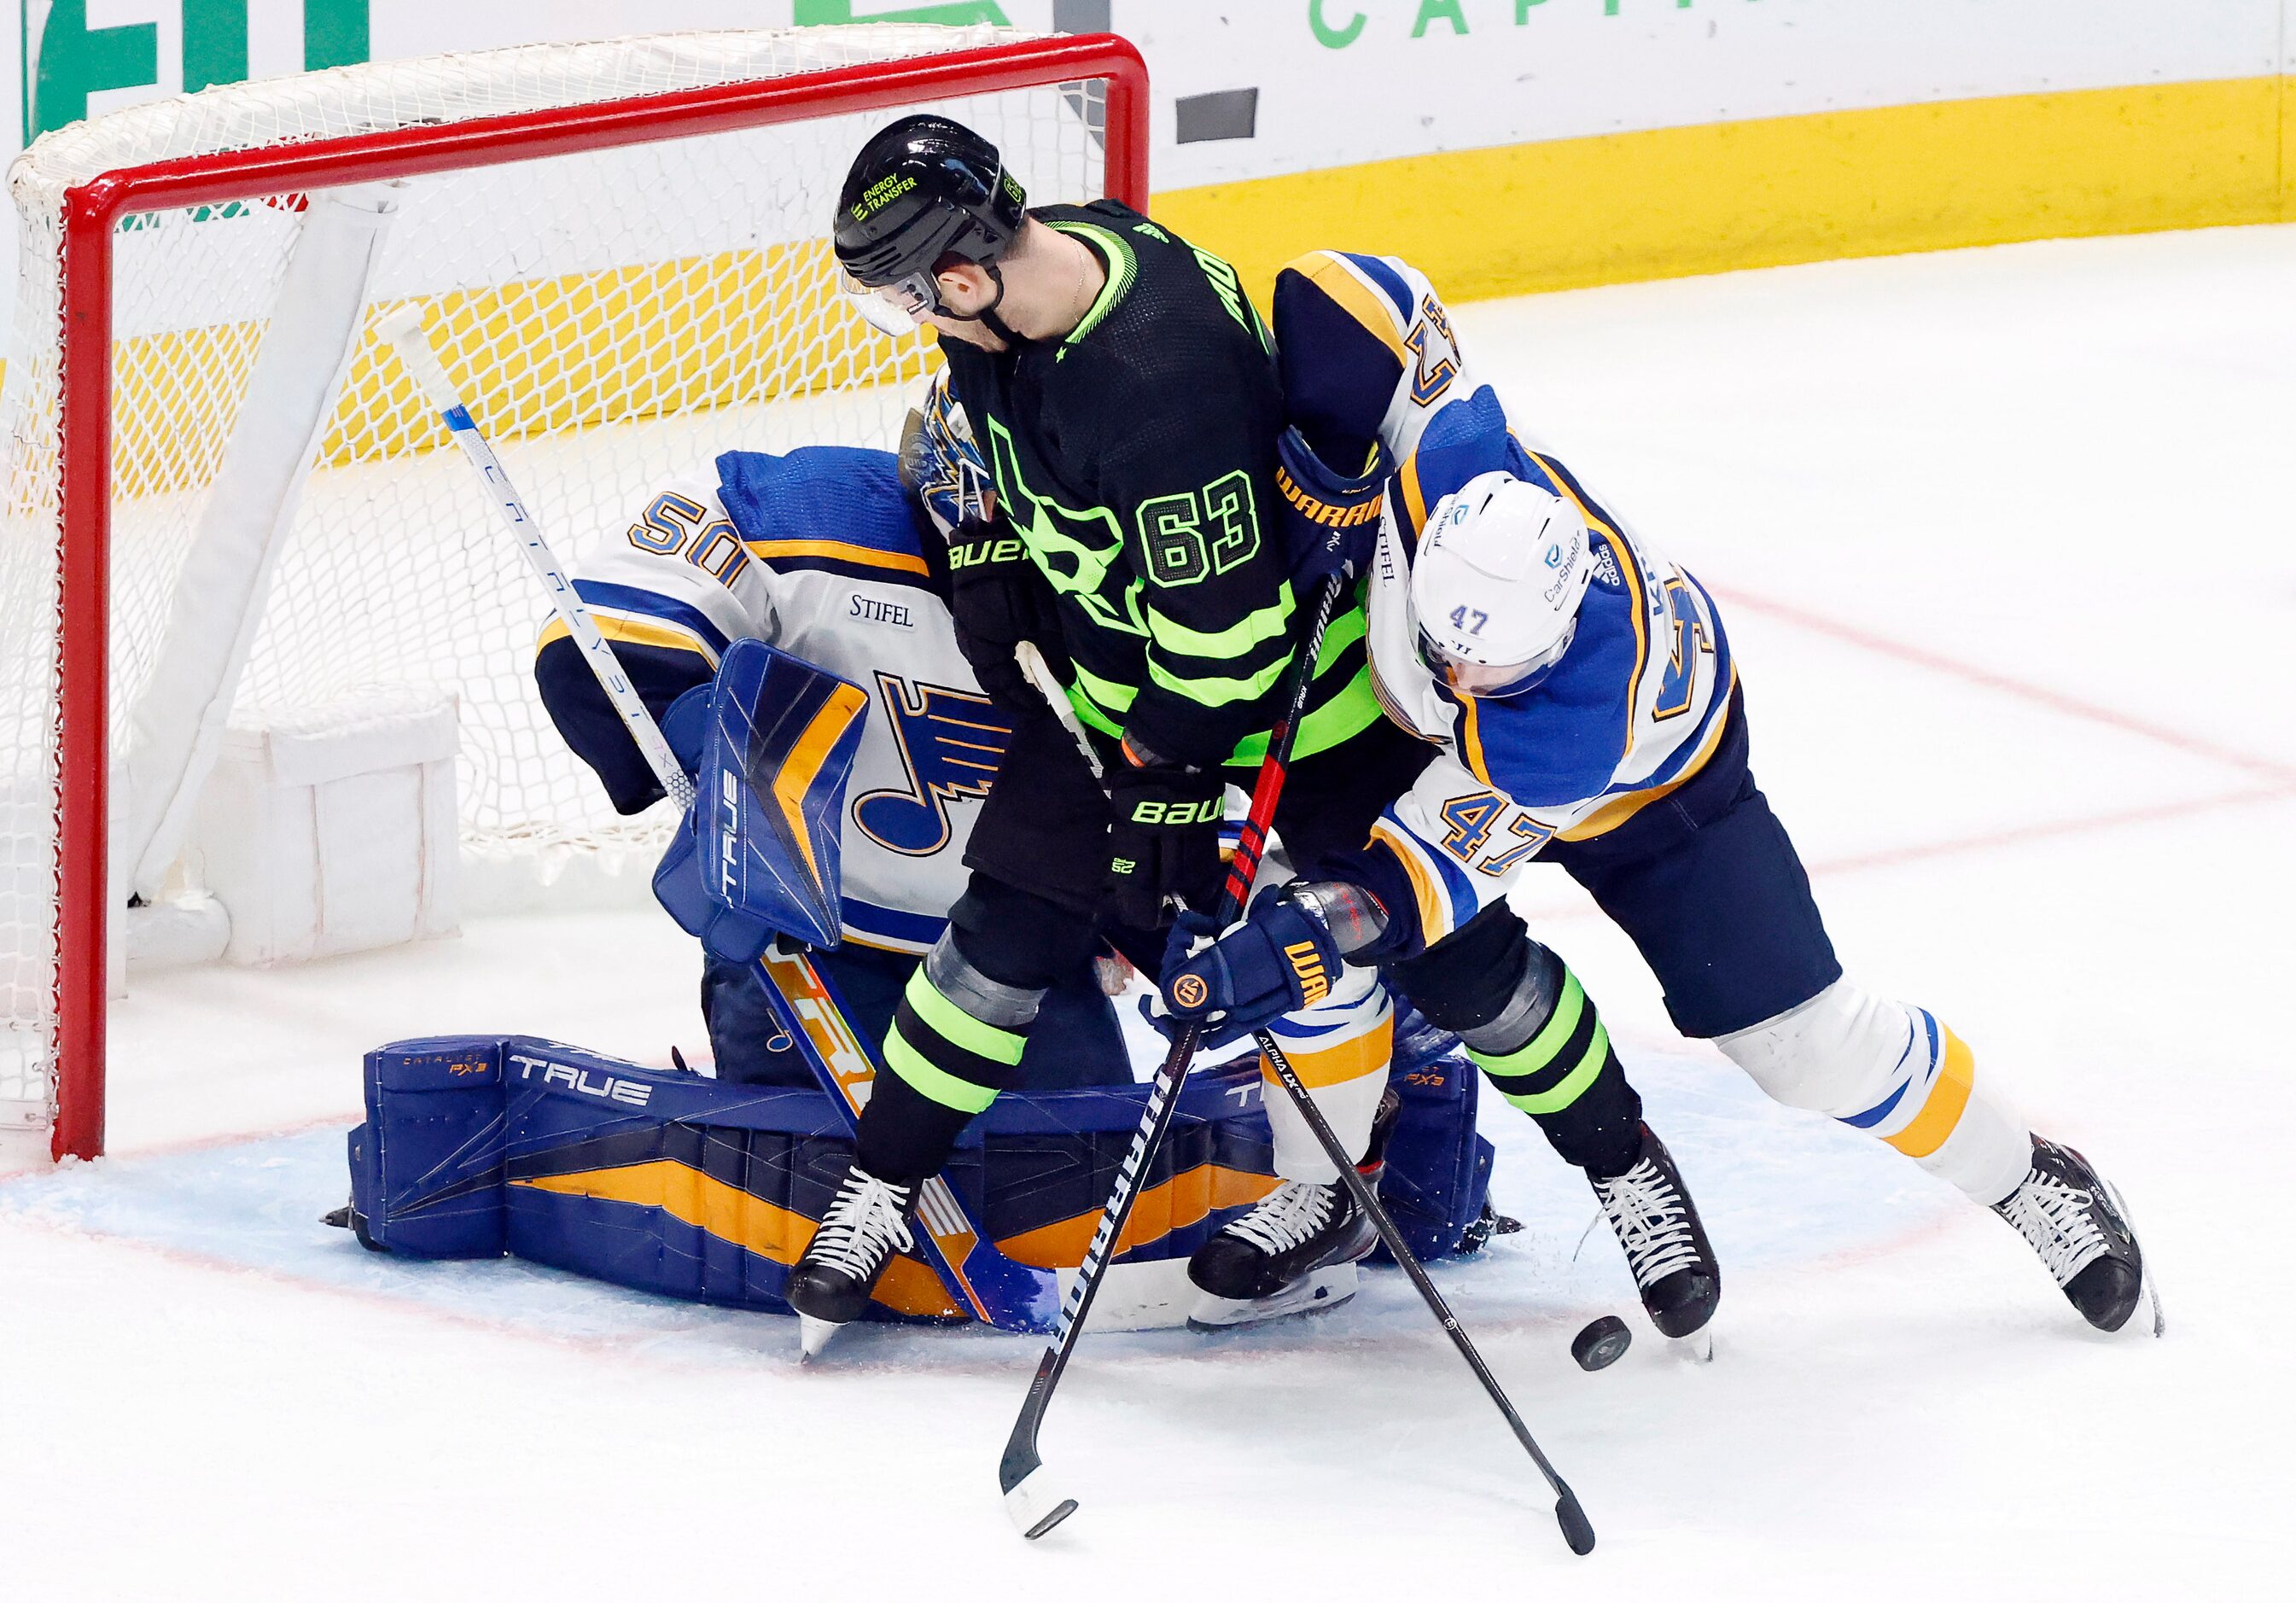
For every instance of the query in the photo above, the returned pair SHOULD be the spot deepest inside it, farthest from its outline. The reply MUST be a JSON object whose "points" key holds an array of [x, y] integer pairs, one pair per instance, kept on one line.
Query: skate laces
{"points": [[1652, 1222], [866, 1220], [1283, 1220], [2057, 1219]]}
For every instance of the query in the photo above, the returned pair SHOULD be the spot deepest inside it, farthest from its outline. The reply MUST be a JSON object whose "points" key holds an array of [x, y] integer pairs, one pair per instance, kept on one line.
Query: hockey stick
{"points": [[1575, 1529], [955, 1241], [1031, 1502]]}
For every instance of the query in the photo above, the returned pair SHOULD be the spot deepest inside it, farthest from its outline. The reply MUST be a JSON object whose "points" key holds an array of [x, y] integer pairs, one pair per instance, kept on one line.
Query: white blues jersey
{"points": [[1637, 705], [817, 554]]}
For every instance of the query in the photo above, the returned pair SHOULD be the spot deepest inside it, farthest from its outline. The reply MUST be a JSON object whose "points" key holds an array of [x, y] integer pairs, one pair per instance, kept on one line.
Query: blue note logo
{"points": [[949, 742]]}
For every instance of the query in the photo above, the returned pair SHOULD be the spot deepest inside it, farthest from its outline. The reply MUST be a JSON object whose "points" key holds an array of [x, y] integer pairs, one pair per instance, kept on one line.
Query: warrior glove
{"points": [[1163, 838], [1280, 958], [1331, 522]]}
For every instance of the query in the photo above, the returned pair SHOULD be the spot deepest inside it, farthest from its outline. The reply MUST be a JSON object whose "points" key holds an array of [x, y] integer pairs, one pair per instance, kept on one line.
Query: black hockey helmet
{"points": [[921, 190]]}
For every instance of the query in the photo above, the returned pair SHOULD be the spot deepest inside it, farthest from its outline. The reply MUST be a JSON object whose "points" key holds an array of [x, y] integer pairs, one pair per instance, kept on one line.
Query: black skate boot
{"points": [[1651, 1212], [867, 1221], [2068, 1214], [1296, 1250]]}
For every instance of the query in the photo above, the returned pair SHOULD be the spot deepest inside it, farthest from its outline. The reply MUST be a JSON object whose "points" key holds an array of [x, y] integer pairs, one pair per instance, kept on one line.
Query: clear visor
{"points": [[894, 308], [1489, 680]]}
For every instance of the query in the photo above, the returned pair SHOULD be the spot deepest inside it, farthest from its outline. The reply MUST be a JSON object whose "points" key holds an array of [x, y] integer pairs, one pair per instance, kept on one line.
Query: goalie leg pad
{"points": [[1895, 1071]]}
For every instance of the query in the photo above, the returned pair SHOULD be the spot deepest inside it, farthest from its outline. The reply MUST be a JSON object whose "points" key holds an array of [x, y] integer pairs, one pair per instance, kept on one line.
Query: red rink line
{"points": [[2050, 829], [1969, 673]]}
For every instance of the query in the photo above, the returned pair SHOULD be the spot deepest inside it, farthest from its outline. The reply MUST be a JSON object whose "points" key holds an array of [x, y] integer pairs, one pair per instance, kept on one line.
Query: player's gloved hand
{"points": [[1163, 841], [997, 598], [1277, 961], [1330, 521]]}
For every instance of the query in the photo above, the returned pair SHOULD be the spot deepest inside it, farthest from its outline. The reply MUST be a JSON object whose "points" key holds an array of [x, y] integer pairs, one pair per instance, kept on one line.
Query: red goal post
{"points": [[92, 217]]}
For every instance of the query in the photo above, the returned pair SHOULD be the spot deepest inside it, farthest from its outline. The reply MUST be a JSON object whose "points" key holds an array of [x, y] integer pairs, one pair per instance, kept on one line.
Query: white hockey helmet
{"points": [[1503, 565]]}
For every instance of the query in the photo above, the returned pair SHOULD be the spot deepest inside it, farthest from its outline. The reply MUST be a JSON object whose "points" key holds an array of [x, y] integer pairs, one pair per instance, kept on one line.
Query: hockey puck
{"points": [[1601, 1344]]}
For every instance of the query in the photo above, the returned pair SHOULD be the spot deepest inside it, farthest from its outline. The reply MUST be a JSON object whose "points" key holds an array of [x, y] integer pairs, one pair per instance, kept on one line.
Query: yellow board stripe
{"points": [[864, 557], [1720, 197], [1947, 1099], [803, 764]]}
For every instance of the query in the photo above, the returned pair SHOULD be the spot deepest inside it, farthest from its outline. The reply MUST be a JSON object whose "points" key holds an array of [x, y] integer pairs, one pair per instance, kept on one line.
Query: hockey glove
{"points": [[1331, 522], [998, 599], [1279, 959], [1163, 841]]}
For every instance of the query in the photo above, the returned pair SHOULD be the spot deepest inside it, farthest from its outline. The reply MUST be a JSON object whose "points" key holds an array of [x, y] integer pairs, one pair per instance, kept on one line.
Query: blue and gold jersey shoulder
{"points": [[827, 509], [1366, 352]]}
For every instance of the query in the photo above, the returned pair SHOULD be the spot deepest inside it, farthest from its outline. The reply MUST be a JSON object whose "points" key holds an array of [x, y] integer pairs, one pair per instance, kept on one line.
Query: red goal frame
{"points": [[91, 212]]}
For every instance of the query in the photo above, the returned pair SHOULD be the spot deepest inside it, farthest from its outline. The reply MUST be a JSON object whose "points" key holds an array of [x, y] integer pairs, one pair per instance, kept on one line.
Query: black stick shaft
{"points": [[1020, 1457], [1575, 1529]]}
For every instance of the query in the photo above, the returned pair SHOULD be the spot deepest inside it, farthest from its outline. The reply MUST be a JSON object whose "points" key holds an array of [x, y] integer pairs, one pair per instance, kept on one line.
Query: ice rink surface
{"points": [[2003, 538]]}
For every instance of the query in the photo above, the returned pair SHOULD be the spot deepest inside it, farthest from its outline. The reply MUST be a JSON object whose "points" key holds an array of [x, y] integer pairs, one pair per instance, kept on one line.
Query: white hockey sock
{"points": [[1339, 1049]]}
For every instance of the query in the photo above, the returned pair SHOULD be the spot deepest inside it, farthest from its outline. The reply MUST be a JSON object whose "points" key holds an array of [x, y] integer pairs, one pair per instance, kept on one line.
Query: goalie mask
{"points": [[941, 463], [1502, 567], [924, 192]]}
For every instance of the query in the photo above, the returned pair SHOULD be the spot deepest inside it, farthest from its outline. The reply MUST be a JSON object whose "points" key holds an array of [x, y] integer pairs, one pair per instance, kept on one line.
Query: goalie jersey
{"points": [[820, 554], [1639, 703]]}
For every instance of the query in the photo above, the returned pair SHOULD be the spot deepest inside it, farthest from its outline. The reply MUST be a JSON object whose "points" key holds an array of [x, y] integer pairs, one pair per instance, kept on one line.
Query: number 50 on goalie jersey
{"points": [[818, 554]]}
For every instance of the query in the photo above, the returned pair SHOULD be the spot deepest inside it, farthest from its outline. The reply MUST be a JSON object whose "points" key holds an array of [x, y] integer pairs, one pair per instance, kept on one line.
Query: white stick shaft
{"points": [[403, 329], [1048, 685]]}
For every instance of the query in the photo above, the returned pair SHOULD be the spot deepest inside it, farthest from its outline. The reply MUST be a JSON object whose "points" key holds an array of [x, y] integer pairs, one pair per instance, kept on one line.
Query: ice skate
{"points": [[2072, 1218], [1657, 1223], [867, 1221], [1294, 1252]]}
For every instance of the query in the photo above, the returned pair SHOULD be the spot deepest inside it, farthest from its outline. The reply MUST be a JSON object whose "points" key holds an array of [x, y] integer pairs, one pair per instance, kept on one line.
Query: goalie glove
{"points": [[1330, 521]]}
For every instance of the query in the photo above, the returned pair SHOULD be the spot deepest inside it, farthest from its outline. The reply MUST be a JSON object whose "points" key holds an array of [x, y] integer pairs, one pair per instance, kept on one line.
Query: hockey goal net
{"points": [[224, 497]]}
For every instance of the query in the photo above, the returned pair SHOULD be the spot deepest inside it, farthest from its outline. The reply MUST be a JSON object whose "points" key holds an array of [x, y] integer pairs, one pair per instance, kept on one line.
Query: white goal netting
{"points": [[614, 316]]}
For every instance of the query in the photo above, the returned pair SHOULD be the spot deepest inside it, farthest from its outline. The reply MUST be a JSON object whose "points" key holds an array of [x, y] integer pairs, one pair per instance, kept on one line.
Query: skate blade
{"points": [[1325, 1288], [2148, 1288], [1697, 1347], [812, 1336]]}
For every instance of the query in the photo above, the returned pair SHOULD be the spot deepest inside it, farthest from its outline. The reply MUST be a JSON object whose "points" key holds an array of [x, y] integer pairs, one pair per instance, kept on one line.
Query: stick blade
{"points": [[1577, 1530], [1035, 1505]]}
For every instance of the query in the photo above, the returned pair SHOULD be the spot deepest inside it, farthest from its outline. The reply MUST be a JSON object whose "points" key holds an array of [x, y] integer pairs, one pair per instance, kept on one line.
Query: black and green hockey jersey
{"points": [[1137, 459]]}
